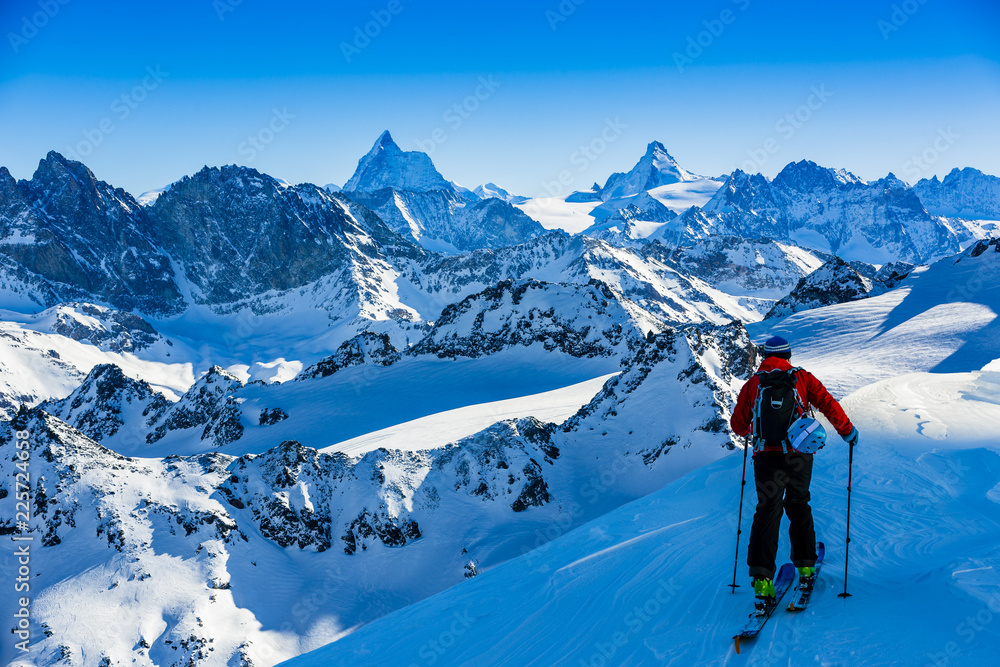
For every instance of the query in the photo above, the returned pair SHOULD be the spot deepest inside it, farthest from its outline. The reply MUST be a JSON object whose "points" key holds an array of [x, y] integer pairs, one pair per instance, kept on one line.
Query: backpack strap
{"points": [[798, 399], [758, 442], [803, 409]]}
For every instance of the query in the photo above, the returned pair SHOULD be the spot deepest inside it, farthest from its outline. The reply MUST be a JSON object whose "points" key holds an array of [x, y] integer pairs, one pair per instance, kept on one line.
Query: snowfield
{"points": [[942, 318], [646, 583]]}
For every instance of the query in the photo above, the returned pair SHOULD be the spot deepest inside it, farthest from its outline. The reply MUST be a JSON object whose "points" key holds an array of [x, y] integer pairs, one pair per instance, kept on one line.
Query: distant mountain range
{"points": [[265, 414]]}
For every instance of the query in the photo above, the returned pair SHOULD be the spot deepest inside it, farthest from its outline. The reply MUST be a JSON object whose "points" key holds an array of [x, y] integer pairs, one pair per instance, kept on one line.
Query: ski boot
{"points": [[807, 578], [764, 590]]}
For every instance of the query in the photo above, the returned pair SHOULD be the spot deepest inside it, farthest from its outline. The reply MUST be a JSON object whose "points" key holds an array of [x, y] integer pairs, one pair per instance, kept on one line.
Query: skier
{"points": [[782, 475]]}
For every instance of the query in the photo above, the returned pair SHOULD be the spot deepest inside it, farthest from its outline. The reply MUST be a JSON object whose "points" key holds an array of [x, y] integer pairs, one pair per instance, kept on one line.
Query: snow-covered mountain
{"points": [[193, 539], [964, 192], [926, 470], [655, 168], [450, 411], [834, 211], [243, 301], [386, 165], [642, 274], [631, 207], [299, 234], [488, 190], [409, 194], [66, 236], [108, 400], [838, 281], [582, 321], [755, 272], [647, 582], [526, 322]]}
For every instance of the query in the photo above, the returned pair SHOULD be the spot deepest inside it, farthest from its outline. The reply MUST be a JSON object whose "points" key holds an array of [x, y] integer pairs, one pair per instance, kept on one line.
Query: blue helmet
{"points": [[806, 435]]}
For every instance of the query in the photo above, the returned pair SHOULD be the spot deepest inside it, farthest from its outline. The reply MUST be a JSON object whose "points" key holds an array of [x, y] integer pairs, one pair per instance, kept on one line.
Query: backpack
{"points": [[778, 405]]}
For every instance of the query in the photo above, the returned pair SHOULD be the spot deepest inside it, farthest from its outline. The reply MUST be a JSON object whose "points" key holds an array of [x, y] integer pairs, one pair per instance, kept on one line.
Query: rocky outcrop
{"points": [[838, 281], [65, 236], [964, 192], [833, 210], [365, 348]]}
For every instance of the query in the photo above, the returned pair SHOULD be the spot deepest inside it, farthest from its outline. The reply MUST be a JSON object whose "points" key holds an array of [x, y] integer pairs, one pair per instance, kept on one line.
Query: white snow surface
{"points": [[647, 582], [942, 318], [557, 213], [679, 197], [574, 217], [447, 426]]}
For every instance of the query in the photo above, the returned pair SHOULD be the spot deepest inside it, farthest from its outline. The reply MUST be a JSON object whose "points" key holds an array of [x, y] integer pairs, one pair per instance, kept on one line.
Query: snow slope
{"points": [[942, 318], [646, 583], [441, 428], [215, 560], [48, 354], [557, 213], [575, 216]]}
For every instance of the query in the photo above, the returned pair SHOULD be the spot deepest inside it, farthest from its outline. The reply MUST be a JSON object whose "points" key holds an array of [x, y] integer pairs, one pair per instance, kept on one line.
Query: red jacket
{"points": [[811, 391]]}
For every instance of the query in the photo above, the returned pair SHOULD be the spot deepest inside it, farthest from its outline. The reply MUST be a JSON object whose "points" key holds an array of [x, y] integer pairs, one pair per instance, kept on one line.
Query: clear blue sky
{"points": [[900, 79]]}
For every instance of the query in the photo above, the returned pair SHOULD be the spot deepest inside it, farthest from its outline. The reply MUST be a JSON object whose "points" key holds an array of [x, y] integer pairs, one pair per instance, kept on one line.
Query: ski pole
{"points": [[847, 547], [739, 521]]}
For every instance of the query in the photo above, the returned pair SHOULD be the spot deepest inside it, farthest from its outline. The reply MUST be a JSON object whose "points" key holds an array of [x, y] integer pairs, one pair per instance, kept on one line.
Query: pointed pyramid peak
{"points": [[386, 165], [656, 147], [385, 141], [655, 168]]}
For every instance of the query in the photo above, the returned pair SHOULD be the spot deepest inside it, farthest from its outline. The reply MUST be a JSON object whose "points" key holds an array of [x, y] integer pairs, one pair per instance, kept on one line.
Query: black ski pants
{"points": [[782, 482]]}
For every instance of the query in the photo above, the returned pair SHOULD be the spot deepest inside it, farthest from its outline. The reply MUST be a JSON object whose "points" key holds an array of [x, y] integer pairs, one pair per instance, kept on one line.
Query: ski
{"points": [[781, 584], [802, 595]]}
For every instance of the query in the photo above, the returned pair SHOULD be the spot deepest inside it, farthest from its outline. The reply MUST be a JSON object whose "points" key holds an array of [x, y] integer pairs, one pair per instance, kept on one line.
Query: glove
{"points": [[852, 437]]}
